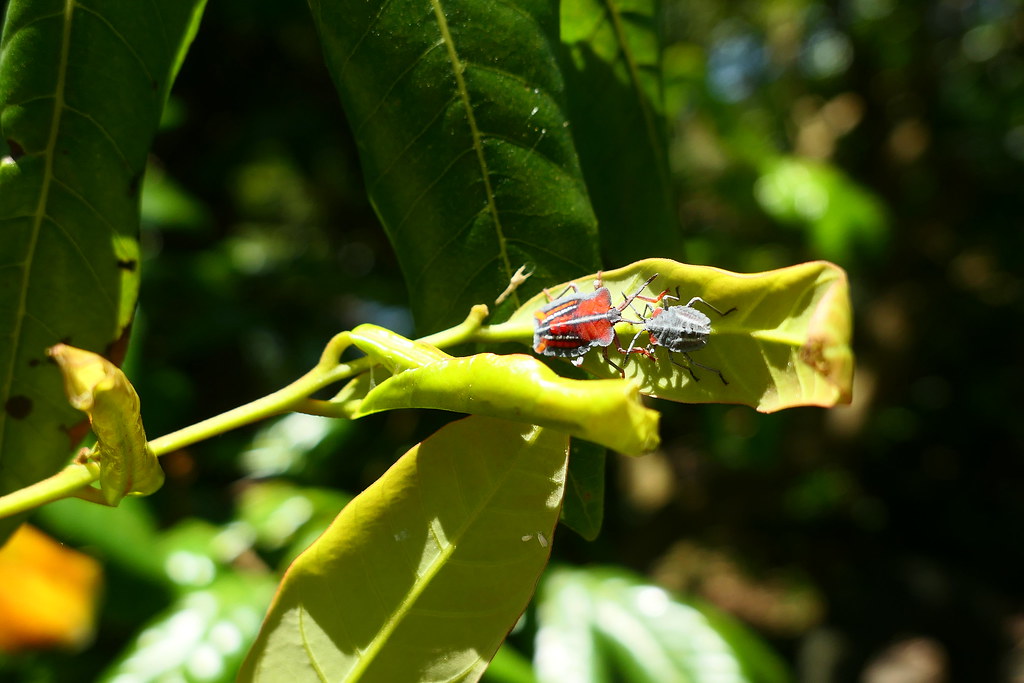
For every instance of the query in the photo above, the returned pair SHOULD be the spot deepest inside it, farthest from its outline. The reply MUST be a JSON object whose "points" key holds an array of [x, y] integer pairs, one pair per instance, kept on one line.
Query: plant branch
{"points": [[73, 479], [65, 483]]}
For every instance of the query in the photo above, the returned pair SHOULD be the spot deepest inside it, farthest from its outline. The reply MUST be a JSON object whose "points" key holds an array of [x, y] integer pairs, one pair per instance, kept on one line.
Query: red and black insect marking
{"points": [[573, 324], [679, 329]]}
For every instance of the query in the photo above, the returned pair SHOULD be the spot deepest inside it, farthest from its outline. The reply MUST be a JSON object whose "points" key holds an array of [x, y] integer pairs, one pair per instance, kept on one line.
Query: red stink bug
{"points": [[680, 329], [572, 324]]}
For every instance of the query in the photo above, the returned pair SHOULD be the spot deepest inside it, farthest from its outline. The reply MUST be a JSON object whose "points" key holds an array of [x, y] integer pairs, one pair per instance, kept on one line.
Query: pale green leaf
{"points": [[512, 387], [787, 343], [421, 576]]}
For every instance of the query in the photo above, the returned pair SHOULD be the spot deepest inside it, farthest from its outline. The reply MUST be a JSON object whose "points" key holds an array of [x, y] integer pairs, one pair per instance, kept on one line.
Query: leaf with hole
{"points": [[81, 92]]}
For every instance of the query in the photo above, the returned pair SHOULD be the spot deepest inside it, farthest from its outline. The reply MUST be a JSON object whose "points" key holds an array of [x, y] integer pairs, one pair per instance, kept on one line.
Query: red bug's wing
{"points": [[595, 318]]}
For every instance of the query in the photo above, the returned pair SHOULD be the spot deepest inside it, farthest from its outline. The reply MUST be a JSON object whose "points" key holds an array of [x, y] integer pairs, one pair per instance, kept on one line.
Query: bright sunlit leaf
{"points": [[786, 344], [512, 387], [422, 575]]}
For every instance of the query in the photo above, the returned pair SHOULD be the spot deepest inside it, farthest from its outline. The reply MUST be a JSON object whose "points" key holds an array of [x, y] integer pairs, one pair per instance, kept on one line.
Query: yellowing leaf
{"points": [[99, 388]]}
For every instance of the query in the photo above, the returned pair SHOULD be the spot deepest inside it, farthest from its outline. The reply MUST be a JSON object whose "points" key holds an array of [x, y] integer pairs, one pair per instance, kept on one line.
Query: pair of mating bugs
{"points": [[572, 324]]}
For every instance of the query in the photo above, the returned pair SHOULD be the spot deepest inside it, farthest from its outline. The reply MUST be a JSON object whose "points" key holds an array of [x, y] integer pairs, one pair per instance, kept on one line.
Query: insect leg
{"points": [[699, 365], [620, 368], [572, 286], [697, 298]]}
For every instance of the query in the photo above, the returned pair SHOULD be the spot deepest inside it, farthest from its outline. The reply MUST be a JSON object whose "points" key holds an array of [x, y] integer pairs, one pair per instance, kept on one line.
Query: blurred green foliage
{"points": [[888, 137]]}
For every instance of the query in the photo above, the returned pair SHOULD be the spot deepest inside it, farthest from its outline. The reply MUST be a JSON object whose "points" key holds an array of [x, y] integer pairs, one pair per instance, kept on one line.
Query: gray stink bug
{"points": [[680, 329]]}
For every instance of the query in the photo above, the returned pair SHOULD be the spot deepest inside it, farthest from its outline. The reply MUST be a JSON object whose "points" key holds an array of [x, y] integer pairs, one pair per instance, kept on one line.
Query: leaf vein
{"points": [[40, 212], [458, 70], [398, 79], [401, 154], [102, 129], [120, 37]]}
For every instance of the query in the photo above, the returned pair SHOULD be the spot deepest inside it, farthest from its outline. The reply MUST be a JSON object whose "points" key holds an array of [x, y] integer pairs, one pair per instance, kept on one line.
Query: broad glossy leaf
{"points": [[421, 576], [99, 388], [81, 91], [457, 108], [594, 621], [512, 387], [787, 343], [614, 93]]}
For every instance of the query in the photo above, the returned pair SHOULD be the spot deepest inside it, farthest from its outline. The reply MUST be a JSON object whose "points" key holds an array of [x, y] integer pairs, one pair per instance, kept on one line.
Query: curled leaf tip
{"points": [[99, 388]]}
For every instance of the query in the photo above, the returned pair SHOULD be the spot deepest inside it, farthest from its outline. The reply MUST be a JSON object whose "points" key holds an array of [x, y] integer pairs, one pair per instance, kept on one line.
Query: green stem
{"points": [[61, 485], [71, 480], [505, 332], [281, 401]]}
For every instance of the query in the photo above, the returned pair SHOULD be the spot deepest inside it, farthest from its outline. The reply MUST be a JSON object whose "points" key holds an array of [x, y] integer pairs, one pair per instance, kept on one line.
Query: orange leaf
{"points": [[47, 593]]}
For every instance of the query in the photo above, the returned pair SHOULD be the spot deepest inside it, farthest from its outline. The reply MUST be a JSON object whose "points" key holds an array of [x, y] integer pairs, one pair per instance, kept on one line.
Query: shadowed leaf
{"points": [[583, 509], [81, 92], [613, 66]]}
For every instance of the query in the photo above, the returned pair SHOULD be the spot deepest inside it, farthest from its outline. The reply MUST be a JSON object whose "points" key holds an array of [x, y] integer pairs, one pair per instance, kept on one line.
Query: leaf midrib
{"points": [[370, 653], [40, 212], [458, 69]]}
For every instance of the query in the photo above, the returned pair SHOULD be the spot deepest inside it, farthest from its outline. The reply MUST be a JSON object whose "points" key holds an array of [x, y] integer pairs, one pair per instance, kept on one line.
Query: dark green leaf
{"points": [[81, 91], [614, 89], [458, 111], [583, 509]]}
